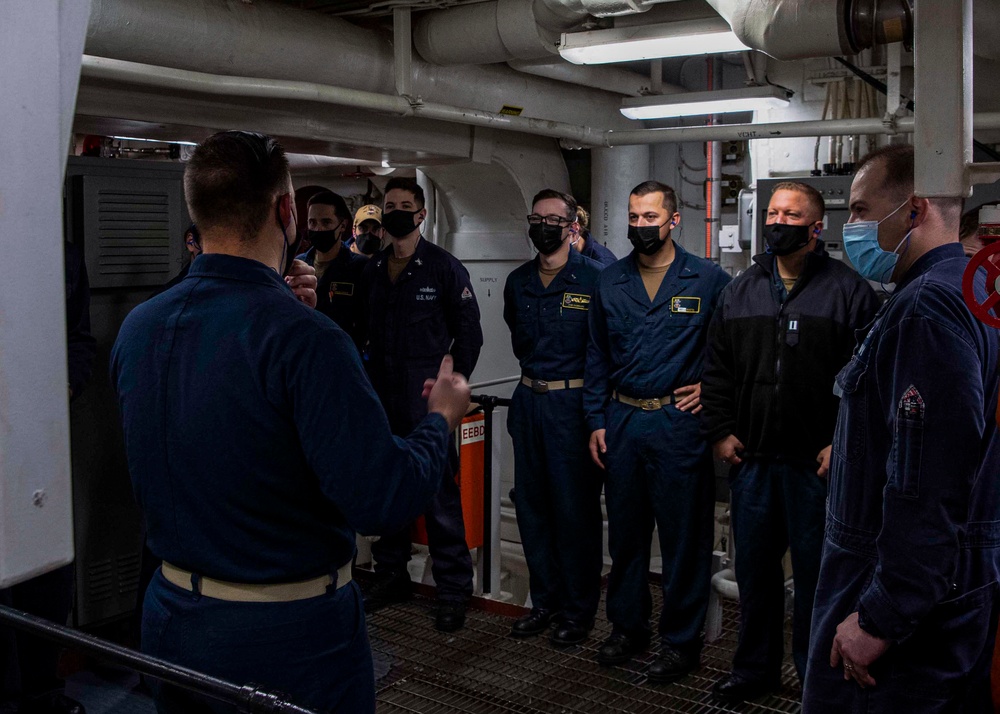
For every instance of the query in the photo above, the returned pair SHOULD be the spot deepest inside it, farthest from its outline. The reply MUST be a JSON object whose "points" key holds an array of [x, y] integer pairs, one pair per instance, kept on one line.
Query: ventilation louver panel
{"points": [[131, 226]]}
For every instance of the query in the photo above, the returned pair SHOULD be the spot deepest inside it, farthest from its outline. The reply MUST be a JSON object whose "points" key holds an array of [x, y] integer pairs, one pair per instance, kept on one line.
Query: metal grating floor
{"points": [[481, 669]]}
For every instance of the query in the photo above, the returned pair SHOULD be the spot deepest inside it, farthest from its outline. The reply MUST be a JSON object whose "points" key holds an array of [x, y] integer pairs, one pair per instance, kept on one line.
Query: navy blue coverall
{"points": [[913, 519], [658, 466], [557, 490], [409, 326], [248, 469], [598, 252], [28, 664], [339, 289]]}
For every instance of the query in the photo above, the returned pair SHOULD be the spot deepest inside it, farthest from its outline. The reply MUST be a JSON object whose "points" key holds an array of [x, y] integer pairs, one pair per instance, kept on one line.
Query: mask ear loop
{"points": [[284, 243]]}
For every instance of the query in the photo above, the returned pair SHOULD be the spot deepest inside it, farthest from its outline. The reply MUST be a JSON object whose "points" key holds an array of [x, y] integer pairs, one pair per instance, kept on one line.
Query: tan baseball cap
{"points": [[368, 213]]}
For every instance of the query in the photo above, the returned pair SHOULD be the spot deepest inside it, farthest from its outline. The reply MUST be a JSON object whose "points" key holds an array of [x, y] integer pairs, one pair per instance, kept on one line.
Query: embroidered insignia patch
{"points": [[685, 305], [912, 406], [345, 289], [575, 301], [466, 294]]}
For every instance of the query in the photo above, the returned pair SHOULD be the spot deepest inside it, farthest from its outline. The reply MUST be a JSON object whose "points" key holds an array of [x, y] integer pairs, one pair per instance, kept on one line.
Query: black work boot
{"points": [[571, 632], [620, 648], [449, 616], [534, 623], [671, 665], [737, 688]]}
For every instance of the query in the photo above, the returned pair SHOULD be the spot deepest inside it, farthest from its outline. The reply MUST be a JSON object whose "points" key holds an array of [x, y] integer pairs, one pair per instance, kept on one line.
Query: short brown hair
{"points": [[648, 187], [334, 200], [232, 179], [405, 183], [899, 176], [568, 200], [897, 162], [815, 198]]}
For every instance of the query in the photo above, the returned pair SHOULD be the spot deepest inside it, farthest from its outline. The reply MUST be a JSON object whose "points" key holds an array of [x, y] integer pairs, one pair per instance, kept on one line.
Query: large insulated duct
{"points": [[505, 30], [796, 29], [606, 77], [268, 40]]}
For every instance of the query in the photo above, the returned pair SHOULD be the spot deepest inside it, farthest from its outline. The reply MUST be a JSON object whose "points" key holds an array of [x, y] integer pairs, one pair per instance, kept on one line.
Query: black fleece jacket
{"points": [[772, 358]]}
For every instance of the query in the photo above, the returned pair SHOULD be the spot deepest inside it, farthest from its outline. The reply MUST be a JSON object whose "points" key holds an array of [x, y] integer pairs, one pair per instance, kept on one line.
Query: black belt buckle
{"points": [[539, 386]]}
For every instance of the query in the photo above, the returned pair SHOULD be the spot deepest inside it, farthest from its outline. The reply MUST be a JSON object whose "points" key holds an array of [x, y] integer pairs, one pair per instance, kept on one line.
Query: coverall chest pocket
{"points": [[849, 436], [621, 337], [526, 329], [423, 326], [571, 331]]}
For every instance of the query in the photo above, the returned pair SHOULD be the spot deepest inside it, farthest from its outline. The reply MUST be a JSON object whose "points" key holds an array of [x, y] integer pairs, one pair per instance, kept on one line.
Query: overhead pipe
{"points": [[505, 30], [797, 29], [607, 77], [185, 80], [271, 40], [106, 69]]}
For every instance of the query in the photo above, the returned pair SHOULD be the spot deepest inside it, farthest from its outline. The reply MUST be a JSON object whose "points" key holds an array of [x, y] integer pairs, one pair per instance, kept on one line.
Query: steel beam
{"points": [[943, 97], [40, 49]]}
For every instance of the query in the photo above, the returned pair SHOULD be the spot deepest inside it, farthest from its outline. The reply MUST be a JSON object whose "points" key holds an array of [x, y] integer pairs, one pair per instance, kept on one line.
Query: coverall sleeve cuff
{"points": [[881, 618], [595, 422], [866, 624], [437, 422]]}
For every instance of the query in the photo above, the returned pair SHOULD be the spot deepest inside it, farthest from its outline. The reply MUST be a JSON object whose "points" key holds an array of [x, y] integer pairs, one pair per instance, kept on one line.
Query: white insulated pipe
{"points": [[106, 69], [268, 40], [185, 80], [787, 29], [606, 77]]}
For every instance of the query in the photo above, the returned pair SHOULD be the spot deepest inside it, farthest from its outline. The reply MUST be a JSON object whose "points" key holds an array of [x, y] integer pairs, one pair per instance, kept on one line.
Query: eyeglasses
{"points": [[534, 219]]}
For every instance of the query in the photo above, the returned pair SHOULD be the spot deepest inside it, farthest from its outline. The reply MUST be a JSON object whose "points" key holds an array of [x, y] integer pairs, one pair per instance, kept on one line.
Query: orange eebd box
{"points": [[471, 452]]}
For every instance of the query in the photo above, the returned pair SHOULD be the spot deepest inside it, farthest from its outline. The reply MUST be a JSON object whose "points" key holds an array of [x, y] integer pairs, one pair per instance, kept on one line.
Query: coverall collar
{"points": [[630, 280], [564, 278], [928, 259], [234, 267]]}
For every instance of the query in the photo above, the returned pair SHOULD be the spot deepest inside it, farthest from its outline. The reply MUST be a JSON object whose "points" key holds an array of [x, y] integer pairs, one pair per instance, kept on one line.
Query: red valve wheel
{"points": [[984, 311]]}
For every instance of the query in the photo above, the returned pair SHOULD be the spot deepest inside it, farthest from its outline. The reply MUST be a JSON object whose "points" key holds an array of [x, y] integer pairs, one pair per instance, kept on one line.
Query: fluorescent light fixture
{"points": [[640, 42], [723, 101]]}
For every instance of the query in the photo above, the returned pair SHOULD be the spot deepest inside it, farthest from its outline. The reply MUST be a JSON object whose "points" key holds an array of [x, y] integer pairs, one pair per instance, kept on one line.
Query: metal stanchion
{"points": [[248, 698], [488, 403]]}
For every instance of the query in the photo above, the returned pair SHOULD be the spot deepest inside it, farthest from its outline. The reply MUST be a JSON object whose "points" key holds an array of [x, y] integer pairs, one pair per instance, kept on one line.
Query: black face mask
{"points": [[547, 239], [368, 243], [646, 239], [323, 240], [400, 223], [785, 239]]}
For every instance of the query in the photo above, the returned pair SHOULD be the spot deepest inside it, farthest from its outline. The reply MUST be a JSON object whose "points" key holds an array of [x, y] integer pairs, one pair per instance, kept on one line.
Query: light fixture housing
{"points": [[640, 42], [723, 101]]}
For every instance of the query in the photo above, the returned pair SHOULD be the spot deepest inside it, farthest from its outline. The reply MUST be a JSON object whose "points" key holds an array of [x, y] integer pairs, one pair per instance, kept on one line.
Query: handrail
{"points": [[494, 382], [488, 402], [248, 698]]}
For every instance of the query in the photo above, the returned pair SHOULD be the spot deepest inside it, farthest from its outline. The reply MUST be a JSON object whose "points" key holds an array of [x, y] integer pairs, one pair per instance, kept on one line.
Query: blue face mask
{"points": [[864, 251]]}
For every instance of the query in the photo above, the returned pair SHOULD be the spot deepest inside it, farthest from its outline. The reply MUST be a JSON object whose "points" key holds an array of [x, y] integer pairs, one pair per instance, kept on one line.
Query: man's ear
{"points": [[286, 209], [919, 208], [817, 229]]}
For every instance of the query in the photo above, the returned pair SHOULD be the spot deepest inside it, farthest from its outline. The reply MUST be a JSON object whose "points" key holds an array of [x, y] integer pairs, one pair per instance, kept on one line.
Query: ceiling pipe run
{"points": [[606, 77], [505, 30], [573, 134], [797, 29], [273, 41], [106, 69]]}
